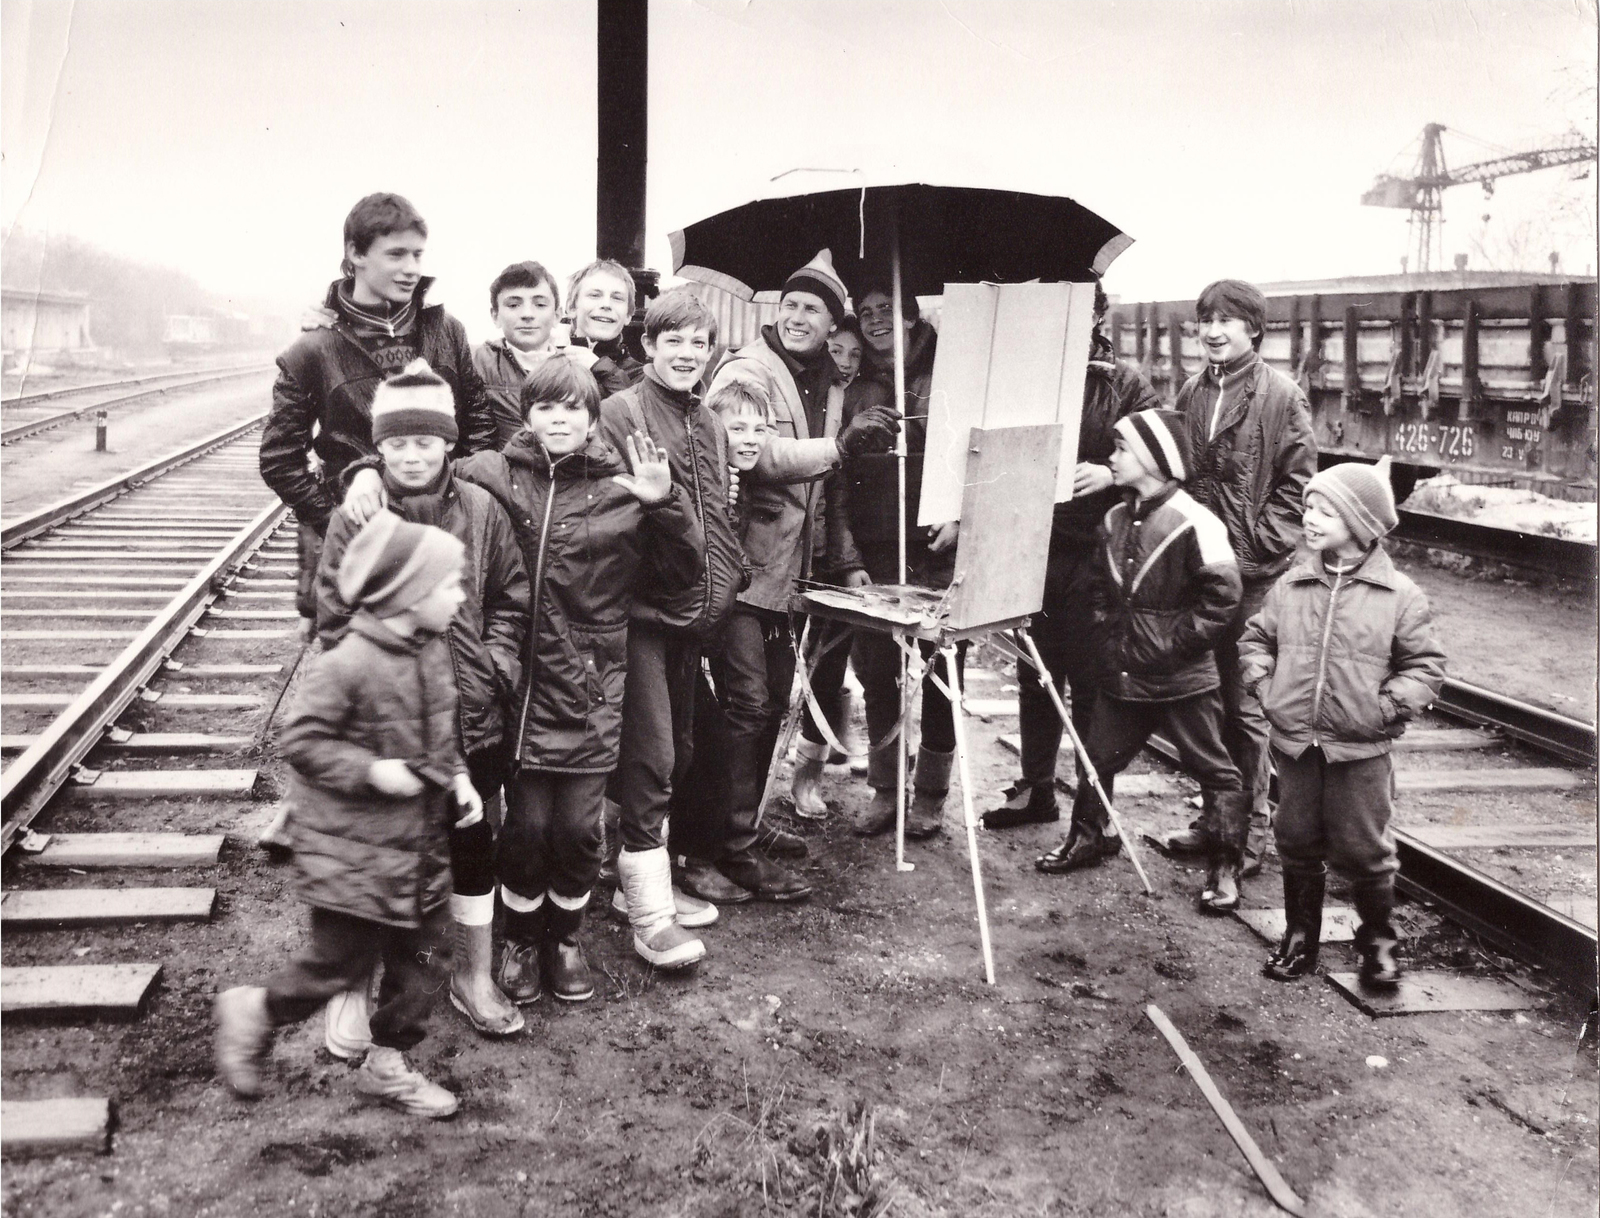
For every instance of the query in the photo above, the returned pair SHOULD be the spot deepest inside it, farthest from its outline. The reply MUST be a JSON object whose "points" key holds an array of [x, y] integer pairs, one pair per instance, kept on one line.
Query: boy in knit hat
{"points": [[1342, 656], [413, 425], [380, 781], [1168, 584]]}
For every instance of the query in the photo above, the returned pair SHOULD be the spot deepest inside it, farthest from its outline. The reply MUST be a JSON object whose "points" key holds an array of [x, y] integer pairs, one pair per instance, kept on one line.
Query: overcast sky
{"points": [[229, 137]]}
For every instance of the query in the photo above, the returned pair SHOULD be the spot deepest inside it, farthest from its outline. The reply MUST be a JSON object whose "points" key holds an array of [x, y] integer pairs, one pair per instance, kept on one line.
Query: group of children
{"points": [[525, 561]]}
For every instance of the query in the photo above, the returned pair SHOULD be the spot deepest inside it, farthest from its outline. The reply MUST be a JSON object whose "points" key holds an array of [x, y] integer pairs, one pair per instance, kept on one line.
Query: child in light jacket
{"points": [[1342, 656]]}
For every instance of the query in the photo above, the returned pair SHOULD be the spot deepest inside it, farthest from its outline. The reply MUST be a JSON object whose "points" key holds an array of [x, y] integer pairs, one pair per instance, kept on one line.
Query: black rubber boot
{"points": [[1375, 936], [566, 972], [1302, 935]]}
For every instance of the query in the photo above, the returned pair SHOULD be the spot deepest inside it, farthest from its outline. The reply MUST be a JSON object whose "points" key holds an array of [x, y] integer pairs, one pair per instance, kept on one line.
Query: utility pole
{"points": [[623, 106]]}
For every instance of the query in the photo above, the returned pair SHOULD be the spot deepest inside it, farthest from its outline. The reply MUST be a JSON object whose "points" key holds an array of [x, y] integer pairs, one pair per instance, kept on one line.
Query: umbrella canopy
{"points": [[947, 234]]}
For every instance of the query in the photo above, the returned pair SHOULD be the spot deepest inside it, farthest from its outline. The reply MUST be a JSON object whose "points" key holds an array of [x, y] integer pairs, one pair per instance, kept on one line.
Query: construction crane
{"points": [[1422, 193]]}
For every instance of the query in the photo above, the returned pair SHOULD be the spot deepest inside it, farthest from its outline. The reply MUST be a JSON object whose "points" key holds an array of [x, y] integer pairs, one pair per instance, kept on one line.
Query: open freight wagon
{"points": [[1495, 384]]}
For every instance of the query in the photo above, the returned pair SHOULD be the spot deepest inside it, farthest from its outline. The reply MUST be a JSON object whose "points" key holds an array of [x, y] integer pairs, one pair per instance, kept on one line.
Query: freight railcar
{"points": [[1494, 383]]}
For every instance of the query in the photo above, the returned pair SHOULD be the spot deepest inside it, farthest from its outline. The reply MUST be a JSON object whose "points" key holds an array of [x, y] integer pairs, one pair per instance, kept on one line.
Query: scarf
{"points": [[381, 320]]}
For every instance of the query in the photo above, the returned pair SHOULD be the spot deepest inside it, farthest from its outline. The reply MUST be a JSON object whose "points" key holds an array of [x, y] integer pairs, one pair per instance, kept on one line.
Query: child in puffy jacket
{"points": [[379, 783], [1342, 656]]}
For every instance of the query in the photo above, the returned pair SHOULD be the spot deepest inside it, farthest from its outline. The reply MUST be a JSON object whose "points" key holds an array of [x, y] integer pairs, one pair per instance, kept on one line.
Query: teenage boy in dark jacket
{"points": [[322, 400], [1064, 629], [1254, 451], [600, 301], [413, 424], [380, 781], [1168, 585], [526, 304]]}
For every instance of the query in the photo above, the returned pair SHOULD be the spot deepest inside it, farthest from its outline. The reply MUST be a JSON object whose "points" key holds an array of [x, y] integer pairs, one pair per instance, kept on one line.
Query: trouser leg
{"points": [[1117, 731], [657, 727], [574, 834], [308, 544], [415, 972], [1299, 825], [827, 681], [472, 863], [1359, 802], [938, 721], [877, 664], [1246, 733], [338, 955], [1065, 634], [1194, 726], [745, 689], [522, 859]]}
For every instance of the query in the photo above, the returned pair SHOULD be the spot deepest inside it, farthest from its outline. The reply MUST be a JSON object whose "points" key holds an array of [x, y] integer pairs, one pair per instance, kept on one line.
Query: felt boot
{"points": [[565, 970], [925, 818], [243, 1036], [519, 976], [780, 843], [387, 1076], [472, 988], [1025, 804], [878, 816], [690, 911], [1375, 935], [646, 877], [1296, 955], [806, 788]]}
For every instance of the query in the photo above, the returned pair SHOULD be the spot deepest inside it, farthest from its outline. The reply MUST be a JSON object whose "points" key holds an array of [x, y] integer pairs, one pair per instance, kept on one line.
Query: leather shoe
{"points": [[762, 878], [1192, 840], [701, 879], [1082, 848], [519, 974], [780, 843], [566, 971], [1025, 804]]}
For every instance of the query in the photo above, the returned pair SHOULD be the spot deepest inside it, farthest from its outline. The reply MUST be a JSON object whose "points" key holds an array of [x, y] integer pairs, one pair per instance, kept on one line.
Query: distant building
{"points": [[1426, 281], [41, 324]]}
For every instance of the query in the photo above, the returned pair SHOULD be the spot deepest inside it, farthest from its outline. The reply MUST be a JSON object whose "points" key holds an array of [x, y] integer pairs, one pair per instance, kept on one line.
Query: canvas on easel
{"points": [[1010, 355]]}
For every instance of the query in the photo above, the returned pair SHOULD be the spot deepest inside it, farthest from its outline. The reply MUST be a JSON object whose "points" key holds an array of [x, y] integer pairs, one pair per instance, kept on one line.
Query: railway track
{"points": [[146, 629], [30, 414], [1535, 552]]}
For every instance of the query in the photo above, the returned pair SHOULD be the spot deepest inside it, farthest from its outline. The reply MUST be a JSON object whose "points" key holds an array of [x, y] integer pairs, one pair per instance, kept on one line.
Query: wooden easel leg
{"points": [[958, 714], [1043, 674]]}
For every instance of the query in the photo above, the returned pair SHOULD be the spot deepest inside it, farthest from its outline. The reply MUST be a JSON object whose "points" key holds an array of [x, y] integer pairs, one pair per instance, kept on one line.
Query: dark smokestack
{"points": [[624, 127]]}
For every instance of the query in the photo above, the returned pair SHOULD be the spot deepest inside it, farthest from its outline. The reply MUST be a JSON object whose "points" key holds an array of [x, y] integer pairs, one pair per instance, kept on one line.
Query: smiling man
{"points": [[1254, 451]]}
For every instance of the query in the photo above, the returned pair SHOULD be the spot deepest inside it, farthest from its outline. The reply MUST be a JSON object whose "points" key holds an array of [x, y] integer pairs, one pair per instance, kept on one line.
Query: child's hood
{"points": [[595, 460]]}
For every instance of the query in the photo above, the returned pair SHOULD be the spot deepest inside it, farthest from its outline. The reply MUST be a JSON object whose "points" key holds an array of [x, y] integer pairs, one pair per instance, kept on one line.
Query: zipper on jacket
{"points": [[699, 509], [533, 611], [1322, 660]]}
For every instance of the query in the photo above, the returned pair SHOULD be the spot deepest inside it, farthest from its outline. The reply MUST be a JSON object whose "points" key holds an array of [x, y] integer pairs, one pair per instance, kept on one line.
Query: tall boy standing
{"points": [[525, 304], [1167, 587], [380, 780], [1254, 451], [600, 300]]}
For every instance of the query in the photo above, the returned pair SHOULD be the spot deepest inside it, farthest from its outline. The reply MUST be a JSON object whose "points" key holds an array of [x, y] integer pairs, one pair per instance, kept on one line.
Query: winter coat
{"points": [[326, 381], [1168, 587], [503, 377], [1342, 662], [375, 696], [585, 540], [697, 451], [785, 489], [1253, 473], [615, 367], [1112, 390], [487, 634]]}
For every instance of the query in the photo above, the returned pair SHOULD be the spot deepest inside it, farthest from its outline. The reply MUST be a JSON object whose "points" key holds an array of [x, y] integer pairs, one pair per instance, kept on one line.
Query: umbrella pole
{"points": [[901, 745]]}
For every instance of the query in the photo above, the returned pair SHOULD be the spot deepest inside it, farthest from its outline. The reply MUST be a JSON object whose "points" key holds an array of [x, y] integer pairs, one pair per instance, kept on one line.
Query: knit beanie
{"points": [[1160, 439], [417, 402], [820, 279], [392, 564], [1362, 496]]}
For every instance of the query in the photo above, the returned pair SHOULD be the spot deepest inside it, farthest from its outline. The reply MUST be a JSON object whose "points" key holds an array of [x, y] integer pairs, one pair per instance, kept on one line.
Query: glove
{"points": [[871, 431]]}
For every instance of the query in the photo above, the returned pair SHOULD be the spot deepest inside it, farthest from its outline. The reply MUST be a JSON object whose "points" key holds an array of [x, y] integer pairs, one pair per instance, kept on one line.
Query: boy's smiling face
{"points": [[601, 308], [877, 317], [390, 269], [526, 315], [1225, 338], [845, 348], [562, 427], [679, 356], [1326, 531], [413, 461], [747, 436]]}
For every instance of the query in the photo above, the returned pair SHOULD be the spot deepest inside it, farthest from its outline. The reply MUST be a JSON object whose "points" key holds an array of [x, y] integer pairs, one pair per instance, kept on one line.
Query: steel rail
{"points": [[65, 391], [1527, 551], [17, 531], [30, 781], [22, 431], [1527, 929], [1571, 740]]}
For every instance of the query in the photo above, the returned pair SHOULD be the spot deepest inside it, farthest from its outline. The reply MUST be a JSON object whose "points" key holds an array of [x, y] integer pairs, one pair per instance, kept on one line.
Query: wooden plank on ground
{"points": [[148, 784], [76, 989], [1338, 923], [47, 1127], [129, 850], [989, 708], [1421, 993], [59, 907], [1532, 779], [1475, 837]]}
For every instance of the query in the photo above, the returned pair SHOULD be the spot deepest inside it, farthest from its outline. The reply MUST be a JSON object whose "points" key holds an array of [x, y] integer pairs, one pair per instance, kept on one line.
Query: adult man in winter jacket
{"points": [[1064, 630], [1249, 428]]}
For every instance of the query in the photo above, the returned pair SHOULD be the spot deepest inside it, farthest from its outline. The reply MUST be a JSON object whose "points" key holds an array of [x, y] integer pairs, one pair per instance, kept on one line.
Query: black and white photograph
{"points": [[799, 608]]}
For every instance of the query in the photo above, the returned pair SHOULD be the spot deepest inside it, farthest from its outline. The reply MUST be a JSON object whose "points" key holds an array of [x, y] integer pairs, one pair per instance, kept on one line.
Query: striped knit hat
{"points": [[1159, 439], [820, 279], [417, 402], [1362, 496], [392, 563]]}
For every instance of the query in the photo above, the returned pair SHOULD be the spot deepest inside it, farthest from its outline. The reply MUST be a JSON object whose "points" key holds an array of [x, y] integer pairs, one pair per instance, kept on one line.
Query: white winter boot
{"points": [[646, 877], [806, 788]]}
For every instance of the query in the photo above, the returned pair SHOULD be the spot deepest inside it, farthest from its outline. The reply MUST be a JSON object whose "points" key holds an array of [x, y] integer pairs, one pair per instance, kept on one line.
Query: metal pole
{"points": [[902, 745], [100, 431]]}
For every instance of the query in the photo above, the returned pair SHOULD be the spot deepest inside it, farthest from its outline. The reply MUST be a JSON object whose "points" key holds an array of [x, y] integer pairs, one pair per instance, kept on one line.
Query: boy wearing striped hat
{"points": [[1168, 585], [1342, 656]]}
